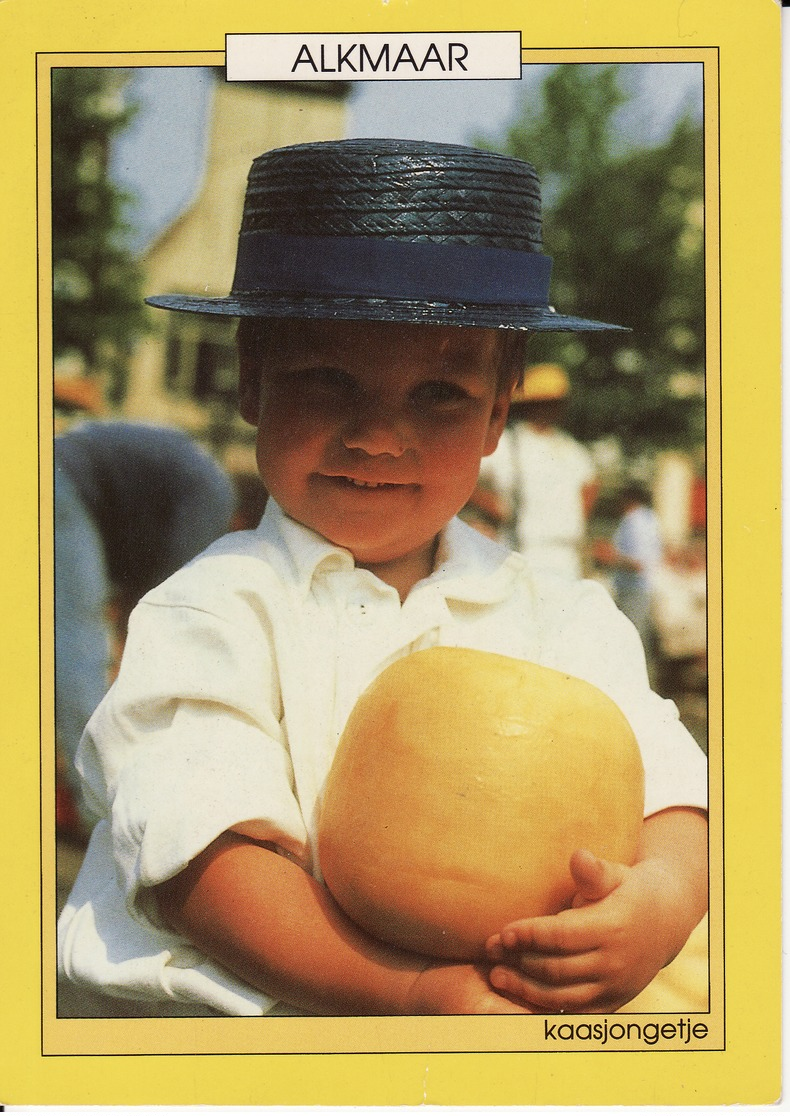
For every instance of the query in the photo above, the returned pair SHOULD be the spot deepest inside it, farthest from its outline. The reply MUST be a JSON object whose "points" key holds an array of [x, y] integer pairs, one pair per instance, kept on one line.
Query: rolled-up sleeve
{"points": [[189, 743]]}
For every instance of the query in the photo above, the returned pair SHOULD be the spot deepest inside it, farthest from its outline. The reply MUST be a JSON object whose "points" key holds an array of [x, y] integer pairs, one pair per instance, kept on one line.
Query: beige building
{"points": [[184, 373]]}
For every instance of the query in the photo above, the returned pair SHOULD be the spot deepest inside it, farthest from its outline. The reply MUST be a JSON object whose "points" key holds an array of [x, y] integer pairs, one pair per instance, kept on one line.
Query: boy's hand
{"points": [[625, 924], [459, 989]]}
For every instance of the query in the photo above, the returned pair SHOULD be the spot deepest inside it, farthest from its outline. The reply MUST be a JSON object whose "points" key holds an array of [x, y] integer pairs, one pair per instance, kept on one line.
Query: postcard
{"points": [[652, 369]]}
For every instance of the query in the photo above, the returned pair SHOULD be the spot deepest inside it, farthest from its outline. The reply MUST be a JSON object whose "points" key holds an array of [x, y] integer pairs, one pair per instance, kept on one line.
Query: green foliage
{"points": [[97, 291], [625, 228], [578, 105]]}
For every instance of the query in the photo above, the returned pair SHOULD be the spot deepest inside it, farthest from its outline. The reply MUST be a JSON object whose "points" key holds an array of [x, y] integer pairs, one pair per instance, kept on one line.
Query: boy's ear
{"points": [[498, 419], [249, 391]]}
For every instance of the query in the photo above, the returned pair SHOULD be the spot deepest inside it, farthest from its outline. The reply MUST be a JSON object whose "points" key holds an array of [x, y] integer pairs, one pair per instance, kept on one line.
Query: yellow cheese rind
{"points": [[462, 784]]}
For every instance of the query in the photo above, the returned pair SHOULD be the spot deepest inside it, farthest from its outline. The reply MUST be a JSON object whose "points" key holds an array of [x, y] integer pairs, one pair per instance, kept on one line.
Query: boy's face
{"points": [[371, 433]]}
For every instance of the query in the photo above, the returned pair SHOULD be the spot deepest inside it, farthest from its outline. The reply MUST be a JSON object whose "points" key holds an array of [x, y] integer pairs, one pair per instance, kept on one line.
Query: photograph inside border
{"points": [[380, 543]]}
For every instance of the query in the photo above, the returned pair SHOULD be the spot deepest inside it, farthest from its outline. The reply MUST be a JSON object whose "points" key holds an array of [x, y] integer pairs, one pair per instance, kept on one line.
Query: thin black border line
{"points": [[721, 743], [706, 353], [598, 1051], [646, 1049], [40, 581]]}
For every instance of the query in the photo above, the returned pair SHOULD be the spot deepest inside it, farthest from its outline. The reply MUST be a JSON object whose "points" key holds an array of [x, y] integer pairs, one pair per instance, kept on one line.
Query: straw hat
{"points": [[542, 383], [391, 230]]}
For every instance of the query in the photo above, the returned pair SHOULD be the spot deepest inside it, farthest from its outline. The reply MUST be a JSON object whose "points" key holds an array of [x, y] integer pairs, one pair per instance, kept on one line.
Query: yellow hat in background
{"points": [[542, 382]]}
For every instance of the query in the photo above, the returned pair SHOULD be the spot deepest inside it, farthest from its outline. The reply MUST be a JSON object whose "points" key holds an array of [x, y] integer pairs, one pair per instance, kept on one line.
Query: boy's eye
{"points": [[440, 393]]}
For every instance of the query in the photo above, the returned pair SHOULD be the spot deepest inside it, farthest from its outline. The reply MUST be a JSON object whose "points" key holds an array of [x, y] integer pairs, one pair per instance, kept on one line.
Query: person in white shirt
{"points": [[546, 477], [378, 376]]}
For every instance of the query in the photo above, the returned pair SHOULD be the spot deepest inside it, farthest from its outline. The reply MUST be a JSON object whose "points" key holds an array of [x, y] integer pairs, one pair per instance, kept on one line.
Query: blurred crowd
{"points": [[540, 493]]}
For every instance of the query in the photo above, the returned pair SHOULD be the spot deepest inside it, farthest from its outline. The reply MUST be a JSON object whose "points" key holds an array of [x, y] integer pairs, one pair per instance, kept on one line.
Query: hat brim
{"points": [[477, 315]]}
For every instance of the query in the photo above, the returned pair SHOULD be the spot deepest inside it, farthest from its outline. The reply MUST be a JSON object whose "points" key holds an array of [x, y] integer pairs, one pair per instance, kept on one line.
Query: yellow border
{"points": [[288, 1036], [744, 38]]}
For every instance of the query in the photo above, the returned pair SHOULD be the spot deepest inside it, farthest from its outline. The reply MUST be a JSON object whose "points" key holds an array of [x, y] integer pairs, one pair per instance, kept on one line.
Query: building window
{"points": [[172, 361], [200, 361], [216, 375]]}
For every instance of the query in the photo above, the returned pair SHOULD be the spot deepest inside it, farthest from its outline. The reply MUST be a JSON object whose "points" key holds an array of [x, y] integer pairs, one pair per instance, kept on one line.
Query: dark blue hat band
{"points": [[377, 268]]}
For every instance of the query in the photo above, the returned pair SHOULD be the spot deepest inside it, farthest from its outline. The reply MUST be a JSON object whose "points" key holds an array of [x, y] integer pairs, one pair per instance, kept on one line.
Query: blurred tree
{"points": [[97, 293], [578, 104], [625, 227]]}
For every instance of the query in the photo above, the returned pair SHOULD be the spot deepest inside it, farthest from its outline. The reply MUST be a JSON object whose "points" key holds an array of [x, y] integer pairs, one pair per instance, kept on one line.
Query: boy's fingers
{"points": [[594, 878], [553, 971], [569, 932], [576, 997], [495, 950]]}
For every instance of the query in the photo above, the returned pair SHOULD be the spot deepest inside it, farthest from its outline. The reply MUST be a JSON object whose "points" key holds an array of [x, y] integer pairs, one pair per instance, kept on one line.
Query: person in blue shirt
{"points": [[133, 503], [635, 553]]}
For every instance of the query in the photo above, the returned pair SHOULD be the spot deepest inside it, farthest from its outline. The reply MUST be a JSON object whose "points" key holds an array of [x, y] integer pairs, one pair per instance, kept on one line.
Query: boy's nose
{"points": [[375, 431]]}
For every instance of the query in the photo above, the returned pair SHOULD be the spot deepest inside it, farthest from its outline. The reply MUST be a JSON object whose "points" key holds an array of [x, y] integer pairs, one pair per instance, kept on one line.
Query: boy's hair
{"points": [[254, 337]]}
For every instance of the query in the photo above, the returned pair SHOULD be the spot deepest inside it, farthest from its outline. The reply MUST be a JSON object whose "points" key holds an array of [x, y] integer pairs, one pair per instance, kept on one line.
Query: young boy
{"points": [[384, 290]]}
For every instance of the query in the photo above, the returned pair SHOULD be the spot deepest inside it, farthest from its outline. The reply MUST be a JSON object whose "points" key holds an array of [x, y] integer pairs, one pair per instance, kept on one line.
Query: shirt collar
{"points": [[298, 549], [469, 566]]}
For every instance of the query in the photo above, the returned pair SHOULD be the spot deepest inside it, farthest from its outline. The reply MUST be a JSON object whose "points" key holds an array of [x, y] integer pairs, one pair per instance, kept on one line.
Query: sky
{"points": [[160, 157]]}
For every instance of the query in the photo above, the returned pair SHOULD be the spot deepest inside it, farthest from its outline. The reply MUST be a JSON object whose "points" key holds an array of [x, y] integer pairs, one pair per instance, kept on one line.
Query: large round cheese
{"points": [[462, 784]]}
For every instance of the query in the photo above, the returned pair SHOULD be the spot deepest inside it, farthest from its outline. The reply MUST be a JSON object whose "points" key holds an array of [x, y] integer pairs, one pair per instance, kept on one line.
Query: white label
{"points": [[457, 56]]}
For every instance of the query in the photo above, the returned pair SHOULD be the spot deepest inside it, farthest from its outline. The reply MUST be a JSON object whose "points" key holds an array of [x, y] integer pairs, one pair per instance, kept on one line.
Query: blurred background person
{"points": [[680, 615], [633, 558], [545, 477], [133, 503]]}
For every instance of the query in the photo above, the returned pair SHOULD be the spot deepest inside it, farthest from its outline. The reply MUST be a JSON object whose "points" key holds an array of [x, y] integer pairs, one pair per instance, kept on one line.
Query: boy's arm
{"points": [[626, 923], [266, 920]]}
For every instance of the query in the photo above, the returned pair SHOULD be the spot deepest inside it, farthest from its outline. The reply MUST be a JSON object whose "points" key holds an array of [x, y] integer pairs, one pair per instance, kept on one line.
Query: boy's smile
{"points": [[371, 433]]}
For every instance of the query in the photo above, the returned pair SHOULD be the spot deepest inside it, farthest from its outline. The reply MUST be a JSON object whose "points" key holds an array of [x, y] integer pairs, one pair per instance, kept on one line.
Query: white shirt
{"points": [[542, 473], [237, 679], [638, 537]]}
